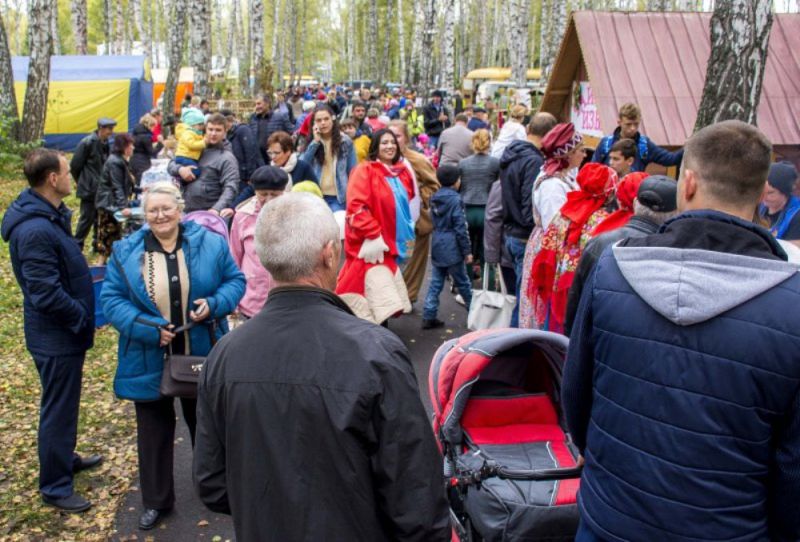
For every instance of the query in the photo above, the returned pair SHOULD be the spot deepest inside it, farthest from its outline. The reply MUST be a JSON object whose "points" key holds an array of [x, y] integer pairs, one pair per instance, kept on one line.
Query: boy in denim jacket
{"points": [[450, 248]]}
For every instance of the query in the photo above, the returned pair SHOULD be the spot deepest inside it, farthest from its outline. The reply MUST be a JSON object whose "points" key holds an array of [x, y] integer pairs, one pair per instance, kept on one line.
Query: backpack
{"points": [[642, 146]]}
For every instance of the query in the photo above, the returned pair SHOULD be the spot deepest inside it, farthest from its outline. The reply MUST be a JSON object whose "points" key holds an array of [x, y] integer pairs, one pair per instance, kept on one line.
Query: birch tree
{"points": [[385, 63], [554, 23], [41, 46], [276, 25], [54, 31], [518, 50], [372, 40], [293, 42], [257, 38], [199, 17], [739, 41], [119, 32], [142, 28], [175, 39], [415, 65], [426, 51], [8, 98], [401, 39], [659, 5], [108, 25], [449, 45]]}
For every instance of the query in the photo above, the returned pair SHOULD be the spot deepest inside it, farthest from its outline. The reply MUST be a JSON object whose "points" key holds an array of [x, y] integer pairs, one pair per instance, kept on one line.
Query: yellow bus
{"points": [[493, 79]]}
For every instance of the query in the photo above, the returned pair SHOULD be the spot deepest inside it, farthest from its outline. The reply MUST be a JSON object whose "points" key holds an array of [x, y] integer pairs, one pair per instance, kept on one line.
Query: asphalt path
{"points": [[190, 520]]}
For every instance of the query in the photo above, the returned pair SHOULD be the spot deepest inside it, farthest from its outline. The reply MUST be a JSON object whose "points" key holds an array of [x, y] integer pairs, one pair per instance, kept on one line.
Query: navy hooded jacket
{"points": [[646, 152], [450, 243], [51, 271], [519, 167], [681, 387]]}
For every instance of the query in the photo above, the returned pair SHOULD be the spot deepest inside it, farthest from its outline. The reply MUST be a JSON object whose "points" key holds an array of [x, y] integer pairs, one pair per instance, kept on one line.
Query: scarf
{"points": [[557, 144], [596, 182], [626, 194]]}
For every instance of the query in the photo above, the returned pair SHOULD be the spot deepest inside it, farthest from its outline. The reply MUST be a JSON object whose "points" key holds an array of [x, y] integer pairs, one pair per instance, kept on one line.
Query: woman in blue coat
{"points": [[158, 279]]}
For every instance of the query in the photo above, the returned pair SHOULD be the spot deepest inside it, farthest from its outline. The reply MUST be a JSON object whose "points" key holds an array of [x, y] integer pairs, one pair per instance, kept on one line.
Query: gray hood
{"points": [[689, 286]]}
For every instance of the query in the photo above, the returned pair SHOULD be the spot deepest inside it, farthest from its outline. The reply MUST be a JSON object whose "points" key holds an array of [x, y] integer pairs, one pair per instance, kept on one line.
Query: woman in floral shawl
{"points": [[563, 242], [563, 151]]}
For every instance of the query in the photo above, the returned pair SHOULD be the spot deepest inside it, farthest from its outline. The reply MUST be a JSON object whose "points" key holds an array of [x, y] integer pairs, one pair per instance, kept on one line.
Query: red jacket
{"points": [[371, 211]]}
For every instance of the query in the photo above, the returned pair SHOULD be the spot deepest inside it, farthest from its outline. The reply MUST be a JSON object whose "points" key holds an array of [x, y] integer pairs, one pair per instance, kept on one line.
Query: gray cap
{"points": [[106, 122], [659, 193]]}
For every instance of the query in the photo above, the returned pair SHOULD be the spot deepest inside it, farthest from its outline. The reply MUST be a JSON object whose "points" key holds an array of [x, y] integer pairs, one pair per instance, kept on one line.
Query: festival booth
{"points": [[85, 88], [185, 85], [658, 60]]}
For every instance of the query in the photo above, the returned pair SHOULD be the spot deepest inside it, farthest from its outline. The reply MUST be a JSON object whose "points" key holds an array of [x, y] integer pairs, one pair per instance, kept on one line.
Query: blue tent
{"points": [[85, 88]]}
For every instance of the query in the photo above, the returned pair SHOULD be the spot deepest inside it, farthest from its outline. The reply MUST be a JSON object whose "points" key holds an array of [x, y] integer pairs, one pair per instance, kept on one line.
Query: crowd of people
{"points": [[334, 208]]}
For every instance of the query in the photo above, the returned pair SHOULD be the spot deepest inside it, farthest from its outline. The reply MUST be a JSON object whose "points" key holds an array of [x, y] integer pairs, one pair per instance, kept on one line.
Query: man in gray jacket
{"points": [[216, 187]]}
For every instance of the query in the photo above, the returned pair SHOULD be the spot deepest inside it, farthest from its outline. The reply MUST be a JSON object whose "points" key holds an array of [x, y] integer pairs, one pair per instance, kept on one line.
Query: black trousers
{"points": [[155, 427], [58, 421], [87, 221]]}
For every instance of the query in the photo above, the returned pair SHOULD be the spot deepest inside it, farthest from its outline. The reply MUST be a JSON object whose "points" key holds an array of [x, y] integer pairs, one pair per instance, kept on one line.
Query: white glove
{"points": [[372, 250]]}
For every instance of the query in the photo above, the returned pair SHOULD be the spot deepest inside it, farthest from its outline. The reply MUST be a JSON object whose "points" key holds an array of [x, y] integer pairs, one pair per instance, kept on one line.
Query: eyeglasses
{"points": [[166, 211], [273, 153]]}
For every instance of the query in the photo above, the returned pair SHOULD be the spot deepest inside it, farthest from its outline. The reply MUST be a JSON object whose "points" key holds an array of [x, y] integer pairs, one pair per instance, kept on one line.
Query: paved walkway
{"points": [[191, 521]]}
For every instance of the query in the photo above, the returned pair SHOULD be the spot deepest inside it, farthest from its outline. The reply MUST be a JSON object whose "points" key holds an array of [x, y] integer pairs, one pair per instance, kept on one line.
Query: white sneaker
{"points": [[459, 299]]}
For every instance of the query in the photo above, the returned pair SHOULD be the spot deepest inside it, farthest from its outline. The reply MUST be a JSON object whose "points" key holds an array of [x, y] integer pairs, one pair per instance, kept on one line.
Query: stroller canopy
{"points": [[460, 363]]}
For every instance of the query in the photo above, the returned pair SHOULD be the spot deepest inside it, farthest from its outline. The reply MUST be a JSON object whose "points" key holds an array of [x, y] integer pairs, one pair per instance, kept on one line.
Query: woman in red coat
{"points": [[379, 233]]}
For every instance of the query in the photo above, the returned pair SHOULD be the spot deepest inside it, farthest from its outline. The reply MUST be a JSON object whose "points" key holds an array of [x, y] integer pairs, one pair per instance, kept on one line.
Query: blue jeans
{"points": [[333, 204], [58, 421], [516, 248], [192, 163], [458, 273], [433, 141]]}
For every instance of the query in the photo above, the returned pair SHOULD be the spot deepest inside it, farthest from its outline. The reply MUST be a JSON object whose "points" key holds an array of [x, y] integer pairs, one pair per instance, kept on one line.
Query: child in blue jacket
{"points": [[450, 248]]}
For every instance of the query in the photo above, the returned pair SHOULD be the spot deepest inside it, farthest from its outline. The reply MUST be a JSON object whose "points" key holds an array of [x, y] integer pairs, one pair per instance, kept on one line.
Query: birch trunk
{"points": [[739, 39], [79, 25], [386, 62], [401, 40], [8, 98], [242, 52], [257, 38], [483, 35], [659, 5], [54, 31], [199, 18], [108, 26], [293, 43], [142, 28], [175, 37], [415, 66], [282, 48], [555, 24], [518, 42], [426, 51], [372, 40], [41, 47], [449, 45], [302, 43], [276, 25], [119, 23]]}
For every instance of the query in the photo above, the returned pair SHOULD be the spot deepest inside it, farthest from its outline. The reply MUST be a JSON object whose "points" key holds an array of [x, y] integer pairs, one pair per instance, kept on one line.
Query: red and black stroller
{"points": [[510, 470]]}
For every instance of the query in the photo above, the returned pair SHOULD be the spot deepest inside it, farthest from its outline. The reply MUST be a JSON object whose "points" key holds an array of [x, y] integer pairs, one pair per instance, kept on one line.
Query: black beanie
{"points": [[448, 175], [782, 176], [269, 178]]}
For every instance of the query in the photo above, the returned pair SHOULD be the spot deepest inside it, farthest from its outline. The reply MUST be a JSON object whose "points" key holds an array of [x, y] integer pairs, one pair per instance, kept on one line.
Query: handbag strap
{"points": [[212, 331], [498, 273]]}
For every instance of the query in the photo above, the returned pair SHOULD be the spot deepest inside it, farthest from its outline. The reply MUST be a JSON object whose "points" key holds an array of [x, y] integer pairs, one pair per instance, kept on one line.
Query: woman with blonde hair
{"points": [[478, 172], [143, 148], [513, 130]]}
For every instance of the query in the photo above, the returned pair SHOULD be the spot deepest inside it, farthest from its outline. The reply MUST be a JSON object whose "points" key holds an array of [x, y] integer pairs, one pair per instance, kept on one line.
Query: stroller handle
{"points": [[538, 475]]}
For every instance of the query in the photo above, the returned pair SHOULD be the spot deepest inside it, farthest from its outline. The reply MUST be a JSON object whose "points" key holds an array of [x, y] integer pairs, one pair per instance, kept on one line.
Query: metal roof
{"points": [[658, 60]]}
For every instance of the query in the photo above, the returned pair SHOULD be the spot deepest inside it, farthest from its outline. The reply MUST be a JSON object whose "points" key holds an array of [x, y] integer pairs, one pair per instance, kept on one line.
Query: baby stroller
{"points": [[510, 471]]}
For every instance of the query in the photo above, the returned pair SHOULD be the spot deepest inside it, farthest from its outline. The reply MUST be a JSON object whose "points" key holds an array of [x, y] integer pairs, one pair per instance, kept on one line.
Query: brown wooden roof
{"points": [[658, 60]]}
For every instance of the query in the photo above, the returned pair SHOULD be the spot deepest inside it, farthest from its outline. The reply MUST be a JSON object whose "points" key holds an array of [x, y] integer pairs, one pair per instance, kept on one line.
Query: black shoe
{"points": [[151, 517], [88, 462], [72, 504], [432, 324]]}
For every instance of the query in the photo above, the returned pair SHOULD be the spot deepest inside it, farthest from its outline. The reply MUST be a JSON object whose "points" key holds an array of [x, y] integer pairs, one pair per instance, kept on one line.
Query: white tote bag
{"points": [[490, 309]]}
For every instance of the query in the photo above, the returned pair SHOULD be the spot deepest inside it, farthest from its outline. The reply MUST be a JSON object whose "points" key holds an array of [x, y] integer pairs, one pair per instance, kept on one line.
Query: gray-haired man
{"points": [[309, 422]]}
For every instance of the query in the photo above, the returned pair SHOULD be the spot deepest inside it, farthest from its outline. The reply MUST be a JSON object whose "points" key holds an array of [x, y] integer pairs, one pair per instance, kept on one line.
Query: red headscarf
{"points": [[596, 182], [626, 193], [557, 144]]}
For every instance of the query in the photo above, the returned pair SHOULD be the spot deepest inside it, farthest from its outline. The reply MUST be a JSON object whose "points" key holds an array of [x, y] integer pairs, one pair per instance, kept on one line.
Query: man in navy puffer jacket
{"points": [[58, 306], [681, 387]]}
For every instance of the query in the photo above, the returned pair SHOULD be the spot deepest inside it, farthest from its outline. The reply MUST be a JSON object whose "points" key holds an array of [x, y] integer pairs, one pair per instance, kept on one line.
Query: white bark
{"points": [[449, 45], [739, 43], [282, 47], [415, 66], [41, 45], [372, 40], [8, 98], [554, 23], [175, 38], [276, 29], [119, 24], [257, 38], [385, 63], [79, 25], [426, 51], [293, 43], [401, 40], [108, 26], [142, 28], [199, 18], [54, 31], [659, 5], [518, 31], [242, 51]]}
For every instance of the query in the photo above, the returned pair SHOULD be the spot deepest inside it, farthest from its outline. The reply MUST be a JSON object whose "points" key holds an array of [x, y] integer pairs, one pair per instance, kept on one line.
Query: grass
{"points": [[106, 426]]}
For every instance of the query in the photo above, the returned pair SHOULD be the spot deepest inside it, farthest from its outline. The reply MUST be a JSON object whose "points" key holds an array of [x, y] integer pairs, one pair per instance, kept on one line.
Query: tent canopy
{"points": [[85, 88]]}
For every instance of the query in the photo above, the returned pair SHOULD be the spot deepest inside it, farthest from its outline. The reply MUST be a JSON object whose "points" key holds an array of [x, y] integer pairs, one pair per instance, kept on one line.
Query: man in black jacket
{"points": [[87, 168], [655, 203], [436, 118], [265, 121], [58, 304], [519, 167], [244, 147], [309, 423]]}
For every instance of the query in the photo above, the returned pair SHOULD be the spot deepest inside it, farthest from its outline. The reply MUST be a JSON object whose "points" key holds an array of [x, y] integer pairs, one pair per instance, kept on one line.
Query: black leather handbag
{"points": [[182, 372]]}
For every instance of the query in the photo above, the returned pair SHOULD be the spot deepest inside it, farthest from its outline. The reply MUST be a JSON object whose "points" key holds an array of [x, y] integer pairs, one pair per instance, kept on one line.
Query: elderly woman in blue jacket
{"points": [[158, 279]]}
